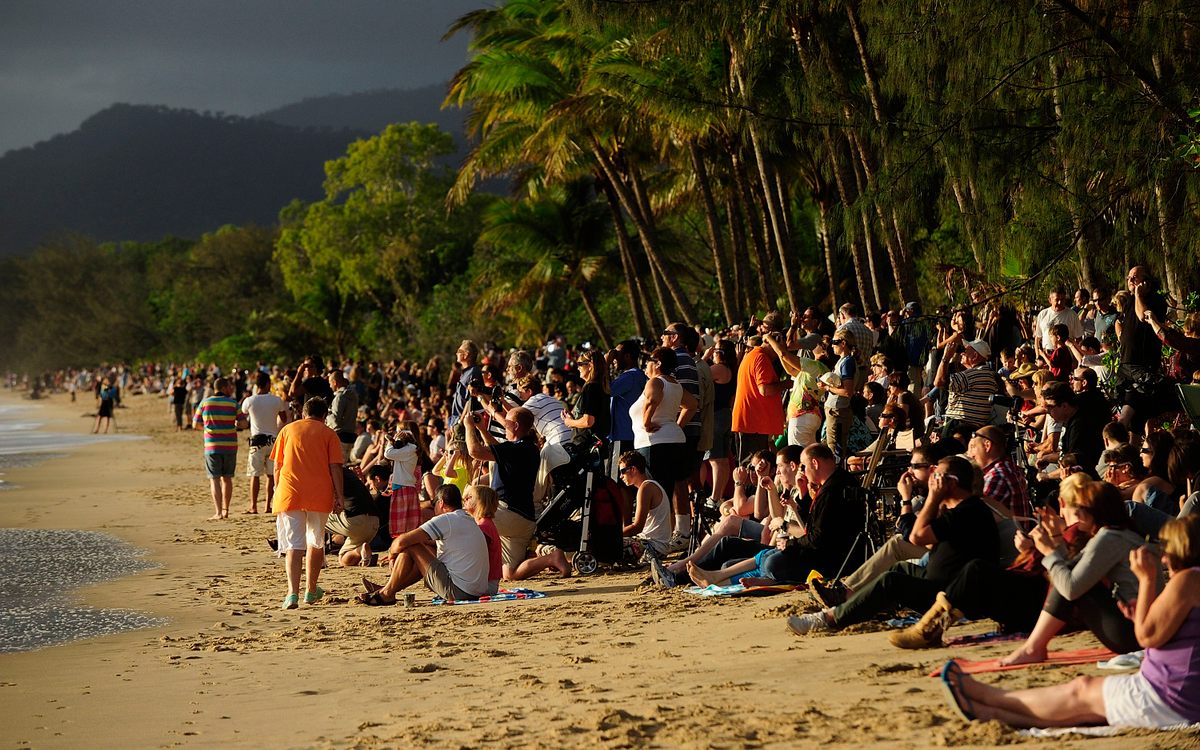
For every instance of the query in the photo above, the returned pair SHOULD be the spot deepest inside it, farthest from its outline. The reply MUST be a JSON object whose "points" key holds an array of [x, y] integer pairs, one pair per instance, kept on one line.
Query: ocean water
{"points": [[25, 438], [40, 568]]}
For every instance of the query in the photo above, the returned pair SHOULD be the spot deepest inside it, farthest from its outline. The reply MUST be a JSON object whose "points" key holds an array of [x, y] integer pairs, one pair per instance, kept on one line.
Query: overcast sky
{"points": [[64, 60]]}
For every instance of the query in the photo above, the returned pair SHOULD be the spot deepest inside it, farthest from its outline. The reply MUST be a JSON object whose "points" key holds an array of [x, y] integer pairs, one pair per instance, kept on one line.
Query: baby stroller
{"points": [[584, 515]]}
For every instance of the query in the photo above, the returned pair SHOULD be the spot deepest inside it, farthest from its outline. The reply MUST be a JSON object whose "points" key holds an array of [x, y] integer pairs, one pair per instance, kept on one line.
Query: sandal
{"points": [[375, 599], [370, 585], [952, 680], [291, 601]]}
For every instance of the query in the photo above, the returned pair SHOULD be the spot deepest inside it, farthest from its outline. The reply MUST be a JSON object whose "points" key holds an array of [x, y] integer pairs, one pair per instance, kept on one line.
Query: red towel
{"points": [[1078, 656]]}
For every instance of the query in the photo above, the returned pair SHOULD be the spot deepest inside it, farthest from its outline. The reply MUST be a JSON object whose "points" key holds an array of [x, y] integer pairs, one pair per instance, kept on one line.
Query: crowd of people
{"points": [[1038, 458]]}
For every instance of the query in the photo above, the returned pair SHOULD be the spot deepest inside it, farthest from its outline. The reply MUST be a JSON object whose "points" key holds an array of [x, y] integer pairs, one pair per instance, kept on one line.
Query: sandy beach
{"points": [[600, 662]]}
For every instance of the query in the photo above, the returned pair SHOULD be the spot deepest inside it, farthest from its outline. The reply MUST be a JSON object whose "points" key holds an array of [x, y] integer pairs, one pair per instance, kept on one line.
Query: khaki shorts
{"points": [[516, 531], [437, 578], [358, 530], [259, 463]]}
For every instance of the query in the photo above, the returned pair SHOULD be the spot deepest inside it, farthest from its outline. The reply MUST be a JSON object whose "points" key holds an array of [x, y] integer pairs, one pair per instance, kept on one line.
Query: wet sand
{"points": [[600, 662]]}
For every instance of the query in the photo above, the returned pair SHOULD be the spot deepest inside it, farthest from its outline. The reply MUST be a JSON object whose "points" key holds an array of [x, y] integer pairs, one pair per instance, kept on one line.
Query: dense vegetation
{"points": [[706, 160]]}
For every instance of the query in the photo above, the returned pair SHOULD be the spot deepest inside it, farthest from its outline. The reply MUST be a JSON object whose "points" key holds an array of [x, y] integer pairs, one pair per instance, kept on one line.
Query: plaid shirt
{"points": [[1002, 481], [862, 337]]}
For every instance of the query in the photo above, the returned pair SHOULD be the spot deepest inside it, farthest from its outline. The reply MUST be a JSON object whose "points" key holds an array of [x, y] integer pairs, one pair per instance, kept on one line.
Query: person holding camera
{"points": [[267, 413]]}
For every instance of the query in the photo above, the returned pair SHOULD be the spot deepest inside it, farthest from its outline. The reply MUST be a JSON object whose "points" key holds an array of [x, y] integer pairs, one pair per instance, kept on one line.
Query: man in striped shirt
{"points": [[970, 391], [218, 415]]}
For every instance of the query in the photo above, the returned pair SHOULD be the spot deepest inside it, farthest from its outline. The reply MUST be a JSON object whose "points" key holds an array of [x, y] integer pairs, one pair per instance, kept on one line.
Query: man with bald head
{"points": [[514, 471]]}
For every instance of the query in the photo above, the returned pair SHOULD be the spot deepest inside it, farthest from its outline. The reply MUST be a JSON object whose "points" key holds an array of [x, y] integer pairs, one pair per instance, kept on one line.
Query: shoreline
{"points": [[598, 663]]}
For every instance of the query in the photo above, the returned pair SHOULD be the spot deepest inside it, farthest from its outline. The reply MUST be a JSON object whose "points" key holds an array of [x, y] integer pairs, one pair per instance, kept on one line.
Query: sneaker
{"points": [[804, 624], [678, 543], [660, 574], [830, 595], [314, 596], [291, 601]]}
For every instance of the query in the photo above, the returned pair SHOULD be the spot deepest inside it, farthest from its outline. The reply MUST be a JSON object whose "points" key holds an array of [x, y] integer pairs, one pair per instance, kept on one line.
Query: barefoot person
{"points": [[457, 569], [1165, 692], [308, 487], [218, 415]]}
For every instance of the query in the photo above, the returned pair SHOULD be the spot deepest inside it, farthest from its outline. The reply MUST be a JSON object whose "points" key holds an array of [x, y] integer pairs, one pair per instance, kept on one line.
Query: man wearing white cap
{"points": [[968, 405]]}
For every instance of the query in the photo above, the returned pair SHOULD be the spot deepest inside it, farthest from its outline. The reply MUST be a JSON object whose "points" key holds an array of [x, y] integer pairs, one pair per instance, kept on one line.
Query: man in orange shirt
{"points": [[308, 487], [757, 406]]}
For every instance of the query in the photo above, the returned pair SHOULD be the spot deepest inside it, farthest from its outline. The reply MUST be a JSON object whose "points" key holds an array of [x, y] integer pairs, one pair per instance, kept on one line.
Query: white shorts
{"points": [[259, 463], [1130, 701], [300, 529]]}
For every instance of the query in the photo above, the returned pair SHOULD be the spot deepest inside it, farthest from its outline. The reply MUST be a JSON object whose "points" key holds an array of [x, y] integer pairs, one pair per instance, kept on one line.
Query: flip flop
{"points": [[375, 599], [370, 585], [952, 679]]}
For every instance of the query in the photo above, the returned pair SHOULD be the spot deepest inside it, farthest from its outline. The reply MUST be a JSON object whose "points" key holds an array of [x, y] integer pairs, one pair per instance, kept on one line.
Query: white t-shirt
{"points": [[1049, 317], [263, 409], [462, 548]]}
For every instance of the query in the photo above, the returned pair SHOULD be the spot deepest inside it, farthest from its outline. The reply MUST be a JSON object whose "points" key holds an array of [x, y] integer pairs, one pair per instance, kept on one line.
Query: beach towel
{"points": [[739, 590], [1077, 656], [1097, 731], [504, 595]]}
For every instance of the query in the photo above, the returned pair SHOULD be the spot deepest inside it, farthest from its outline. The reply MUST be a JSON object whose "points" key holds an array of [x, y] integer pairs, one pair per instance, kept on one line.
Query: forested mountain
{"points": [[371, 111], [141, 172]]}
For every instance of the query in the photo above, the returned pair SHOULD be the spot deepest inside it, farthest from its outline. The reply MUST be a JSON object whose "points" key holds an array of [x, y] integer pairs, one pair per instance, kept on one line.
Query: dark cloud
{"points": [[63, 60]]}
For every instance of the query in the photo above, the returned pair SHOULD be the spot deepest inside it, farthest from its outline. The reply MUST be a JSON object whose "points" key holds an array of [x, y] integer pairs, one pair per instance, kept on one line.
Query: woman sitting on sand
{"points": [[1085, 585], [1164, 693]]}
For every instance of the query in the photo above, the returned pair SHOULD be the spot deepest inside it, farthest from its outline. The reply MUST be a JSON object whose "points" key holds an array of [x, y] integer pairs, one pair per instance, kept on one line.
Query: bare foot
{"points": [[560, 563], [250, 511], [699, 576], [215, 517], [1024, 655]]}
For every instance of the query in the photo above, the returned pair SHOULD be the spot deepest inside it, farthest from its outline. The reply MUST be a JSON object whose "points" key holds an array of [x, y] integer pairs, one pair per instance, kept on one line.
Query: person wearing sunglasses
{"points": [[957, 527], [911, 487]]}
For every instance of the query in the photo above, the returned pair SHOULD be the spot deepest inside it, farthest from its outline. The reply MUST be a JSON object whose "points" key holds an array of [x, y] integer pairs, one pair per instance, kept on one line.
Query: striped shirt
{"points": [[547, 418], [970, 395], [218, 414], [689, 377]]}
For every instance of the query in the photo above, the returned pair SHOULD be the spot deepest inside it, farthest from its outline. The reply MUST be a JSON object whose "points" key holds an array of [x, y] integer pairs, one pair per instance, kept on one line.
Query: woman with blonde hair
{"points": [[1164, 693]]}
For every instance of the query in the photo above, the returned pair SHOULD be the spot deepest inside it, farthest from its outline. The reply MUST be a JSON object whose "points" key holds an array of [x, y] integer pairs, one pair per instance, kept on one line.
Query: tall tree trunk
{"points": [[860, 180], [741, 255], [643, 325], [842, 180], [775, 212], [585, 295], [1170, 277], [714, 234], [766, 286], [1085, 248], [827, 250], [968, 221], [644, 225]]}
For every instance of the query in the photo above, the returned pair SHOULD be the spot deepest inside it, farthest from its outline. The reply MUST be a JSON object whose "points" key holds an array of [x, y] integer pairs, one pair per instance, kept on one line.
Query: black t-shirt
{"points": [[516, 470], [358, 499], [1082, 433], [1140, 347], [317, 386], [592, 400], [965, 532], [179, 395]]}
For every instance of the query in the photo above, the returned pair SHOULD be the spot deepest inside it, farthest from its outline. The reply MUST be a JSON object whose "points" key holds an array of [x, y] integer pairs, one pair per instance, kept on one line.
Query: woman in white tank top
{"points": [[657, 415]]}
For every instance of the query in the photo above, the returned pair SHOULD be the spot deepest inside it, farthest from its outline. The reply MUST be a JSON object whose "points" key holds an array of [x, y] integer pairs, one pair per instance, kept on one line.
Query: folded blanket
{"points": [[739, 590], [1078, 656], [504, 595]]}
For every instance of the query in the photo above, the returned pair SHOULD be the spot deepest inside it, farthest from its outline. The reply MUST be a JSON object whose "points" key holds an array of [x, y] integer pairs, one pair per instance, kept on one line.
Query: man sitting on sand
{"points": [[961, 528], [514, 469], [815, 533], [458, 569], [356, 524]]}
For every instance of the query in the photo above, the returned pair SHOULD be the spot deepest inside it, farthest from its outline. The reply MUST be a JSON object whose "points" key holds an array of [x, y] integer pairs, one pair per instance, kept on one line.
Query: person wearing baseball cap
{"points": [[969, 403]]}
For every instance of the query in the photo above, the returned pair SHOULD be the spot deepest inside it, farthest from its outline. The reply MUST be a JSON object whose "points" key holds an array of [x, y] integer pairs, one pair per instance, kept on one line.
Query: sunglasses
{"points": [[919, 466], [1075, 377], [622, 470], [839, 341]]}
